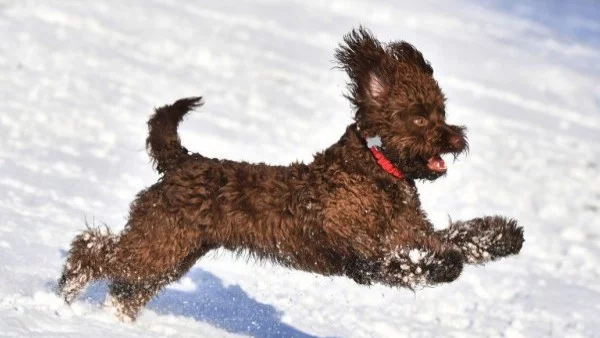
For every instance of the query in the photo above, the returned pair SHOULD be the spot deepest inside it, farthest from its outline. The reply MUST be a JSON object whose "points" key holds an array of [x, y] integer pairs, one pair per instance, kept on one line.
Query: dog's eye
{"points": [[420, 121]]}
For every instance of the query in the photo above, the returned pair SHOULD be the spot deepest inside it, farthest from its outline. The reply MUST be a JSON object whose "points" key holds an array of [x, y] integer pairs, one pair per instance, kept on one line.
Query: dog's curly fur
{"points": [[342, 214]]}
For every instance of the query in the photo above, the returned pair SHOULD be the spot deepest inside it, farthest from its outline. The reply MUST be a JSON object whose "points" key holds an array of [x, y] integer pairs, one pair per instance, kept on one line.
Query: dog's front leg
{"points": [[484, 239]]}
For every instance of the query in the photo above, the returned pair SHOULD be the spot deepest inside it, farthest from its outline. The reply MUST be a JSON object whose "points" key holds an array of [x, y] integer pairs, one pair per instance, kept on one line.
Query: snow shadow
{"points": [[208, 300], [229, 308]]}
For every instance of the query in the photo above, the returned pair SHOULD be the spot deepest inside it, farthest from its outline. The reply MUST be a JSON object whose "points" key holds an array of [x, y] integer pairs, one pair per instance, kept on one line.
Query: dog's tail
{"points": [[163, 143]]}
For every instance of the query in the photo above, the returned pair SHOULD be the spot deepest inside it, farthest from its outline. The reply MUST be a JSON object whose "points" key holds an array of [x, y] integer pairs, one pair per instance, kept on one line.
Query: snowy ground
{"points": [[79, 79]]}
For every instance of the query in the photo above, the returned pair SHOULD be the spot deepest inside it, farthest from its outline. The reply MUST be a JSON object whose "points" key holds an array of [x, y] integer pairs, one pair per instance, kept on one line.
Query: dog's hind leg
{"points": [[484, 239], [145, 251], [87, 261], [128, 298]]}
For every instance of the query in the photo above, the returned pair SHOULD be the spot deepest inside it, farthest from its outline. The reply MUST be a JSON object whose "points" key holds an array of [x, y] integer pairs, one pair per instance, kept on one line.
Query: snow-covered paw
{"points": [[485, 239], [113, 306], [508, 237], [71, 283], [445, 267], [418, 267]]}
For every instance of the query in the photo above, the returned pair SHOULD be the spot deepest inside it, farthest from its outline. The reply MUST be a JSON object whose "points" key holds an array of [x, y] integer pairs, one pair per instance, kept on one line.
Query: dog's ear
{"points": [[362, 56], [405, 52], [376, 88]]}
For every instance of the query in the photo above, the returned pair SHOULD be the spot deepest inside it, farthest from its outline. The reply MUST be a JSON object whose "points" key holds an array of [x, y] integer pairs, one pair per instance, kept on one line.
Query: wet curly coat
{"points": [[342, 214]]}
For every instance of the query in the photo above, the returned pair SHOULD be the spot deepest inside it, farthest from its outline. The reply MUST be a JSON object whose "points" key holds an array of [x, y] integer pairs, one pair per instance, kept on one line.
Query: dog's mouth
{"points": [[437, 164]]}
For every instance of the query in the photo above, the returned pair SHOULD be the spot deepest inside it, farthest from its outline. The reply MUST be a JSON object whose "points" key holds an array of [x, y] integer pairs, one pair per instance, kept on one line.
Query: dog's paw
{"points": [[485, 239], [419, 267], [116, 308], [508, 237], [446, 268], [71, 283]]}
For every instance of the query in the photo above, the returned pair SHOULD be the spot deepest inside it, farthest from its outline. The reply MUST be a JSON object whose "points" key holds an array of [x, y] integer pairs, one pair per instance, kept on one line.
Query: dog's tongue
{"points": [[436, 163]]}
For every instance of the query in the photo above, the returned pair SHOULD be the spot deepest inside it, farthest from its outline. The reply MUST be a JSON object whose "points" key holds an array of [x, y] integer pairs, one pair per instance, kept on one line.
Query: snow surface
{"points": [[79, 79]]}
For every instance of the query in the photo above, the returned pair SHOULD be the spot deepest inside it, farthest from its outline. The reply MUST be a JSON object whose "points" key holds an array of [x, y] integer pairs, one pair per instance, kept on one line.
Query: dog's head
{"points": [[397, 99]]}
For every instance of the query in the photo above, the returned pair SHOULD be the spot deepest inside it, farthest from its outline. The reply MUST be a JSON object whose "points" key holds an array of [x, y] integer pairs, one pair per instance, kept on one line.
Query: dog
{"points": [[354, 211]]}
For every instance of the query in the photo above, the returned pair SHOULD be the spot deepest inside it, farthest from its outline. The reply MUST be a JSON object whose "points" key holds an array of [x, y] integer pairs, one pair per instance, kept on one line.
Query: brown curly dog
{"points": [[354, 211]]}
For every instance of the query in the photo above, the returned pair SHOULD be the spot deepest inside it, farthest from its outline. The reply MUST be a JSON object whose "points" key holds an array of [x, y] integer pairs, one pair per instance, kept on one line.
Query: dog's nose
{"points": [[456, 142]]}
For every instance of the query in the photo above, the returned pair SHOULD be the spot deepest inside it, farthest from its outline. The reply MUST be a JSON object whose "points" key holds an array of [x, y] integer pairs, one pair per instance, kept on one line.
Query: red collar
{"points": [[373, 143], [386, 164]]}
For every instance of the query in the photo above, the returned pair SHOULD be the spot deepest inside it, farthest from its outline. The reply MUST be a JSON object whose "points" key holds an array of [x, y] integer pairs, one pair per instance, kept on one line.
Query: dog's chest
{"points": [[375, 205], [400, 198]]}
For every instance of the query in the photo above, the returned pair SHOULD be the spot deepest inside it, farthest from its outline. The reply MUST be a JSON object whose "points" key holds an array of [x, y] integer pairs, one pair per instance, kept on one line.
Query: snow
{"points": [[79, 80], [415, 255]]}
